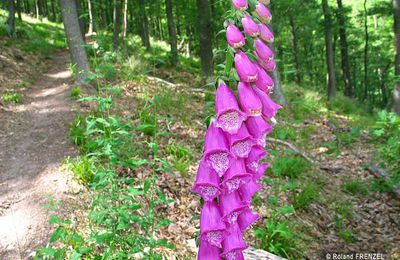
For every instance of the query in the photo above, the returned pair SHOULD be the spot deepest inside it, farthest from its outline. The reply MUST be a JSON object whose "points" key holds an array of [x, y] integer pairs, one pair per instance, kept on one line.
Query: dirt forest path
{"points": [[33, 143]]}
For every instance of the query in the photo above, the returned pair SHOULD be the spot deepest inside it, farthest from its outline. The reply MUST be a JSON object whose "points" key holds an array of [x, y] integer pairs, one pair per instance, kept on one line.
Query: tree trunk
{"points": [[144, 24], [396, 12], [37, 11], [277, 94], [74, 38], [91, 22], [329, 51], [27, 7], [11, 19], [81, 18], [53, 10], [172, 33], [19, 10], [365, 97], [205, 31], [348, 82], [117, 24], [125, 20], [294, 50]]}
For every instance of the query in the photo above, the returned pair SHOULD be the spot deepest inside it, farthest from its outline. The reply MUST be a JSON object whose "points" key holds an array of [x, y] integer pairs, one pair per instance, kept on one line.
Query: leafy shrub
{"points": [[75, 93], [181, 157], [82, 167], [15, 98], [277, 234], [123, 213]]}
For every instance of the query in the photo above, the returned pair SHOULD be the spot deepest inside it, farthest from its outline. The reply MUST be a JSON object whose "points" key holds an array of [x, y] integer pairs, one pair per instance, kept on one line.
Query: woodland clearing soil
{"points": [[33, 142]]}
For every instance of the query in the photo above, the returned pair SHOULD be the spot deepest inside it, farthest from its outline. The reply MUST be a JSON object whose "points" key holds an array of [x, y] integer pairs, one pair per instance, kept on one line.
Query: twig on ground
{"points": [[292, 147], [381, 173]]}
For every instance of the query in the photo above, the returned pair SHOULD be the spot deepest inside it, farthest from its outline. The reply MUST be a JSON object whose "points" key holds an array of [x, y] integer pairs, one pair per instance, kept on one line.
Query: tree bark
{"points": [[74, 38], [344, 51], [205, 31], [81, 19], [365, 97], [19, 10], [144, 24], [396, 13], [329, 51], [11, 19], [91, 21], [293, 30], [53, 10], [125, 20], [117, 24], [277, 94], [173, 41]]}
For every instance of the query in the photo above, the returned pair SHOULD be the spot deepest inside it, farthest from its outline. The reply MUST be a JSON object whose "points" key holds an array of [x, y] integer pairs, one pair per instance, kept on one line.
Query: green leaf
{"points": [[165, 243], [135, 191]]}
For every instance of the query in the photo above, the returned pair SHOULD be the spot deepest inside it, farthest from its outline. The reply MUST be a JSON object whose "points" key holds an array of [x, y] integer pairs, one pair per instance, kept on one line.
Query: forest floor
{"points": [[33, 143]]}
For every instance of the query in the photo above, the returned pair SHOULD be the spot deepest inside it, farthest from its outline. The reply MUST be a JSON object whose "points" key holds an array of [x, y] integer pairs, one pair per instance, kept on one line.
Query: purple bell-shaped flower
{"points": [[235, 177], [249, 26], [212, 228], [216, 150], [208, 252], [263, 52], [231, 206], [246, 219], [264, 81], [248, 190], [234, 36], [268, 66], [247, 70], [240, 4], [269, 107], [259, 129], [249, 101], [262, 167], [265, 33], [263, 13], [241, 143], [207, 182], [234, 244], [229, 116], [256, 154]]}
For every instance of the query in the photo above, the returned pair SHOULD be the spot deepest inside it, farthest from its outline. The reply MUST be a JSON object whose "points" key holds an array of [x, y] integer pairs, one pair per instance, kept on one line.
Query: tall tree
{"points": [[144, 25], [11, 19], [396, 13], [125, 19], [91, 17], [205, 31], [344, 51], [74, 38], [329, 50], [172, 33], [19, 9], [117, 23], [365, 97]]}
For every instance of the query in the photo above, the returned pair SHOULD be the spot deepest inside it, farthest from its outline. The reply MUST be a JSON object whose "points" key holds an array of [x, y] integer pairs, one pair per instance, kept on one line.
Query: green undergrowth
{"points": [[15, 98], [34, 36], [123, 216]]}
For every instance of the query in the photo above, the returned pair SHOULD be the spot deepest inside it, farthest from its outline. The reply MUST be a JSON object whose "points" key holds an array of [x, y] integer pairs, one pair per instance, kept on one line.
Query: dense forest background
{"points": [[352, 42]]}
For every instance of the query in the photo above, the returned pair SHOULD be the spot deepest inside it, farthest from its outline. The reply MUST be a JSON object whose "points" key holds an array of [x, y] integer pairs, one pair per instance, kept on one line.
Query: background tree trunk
{"points": [[91, 21], [205, 31], [329, 51], [144, 24], [81, 19], [172, 33], [365, 97], [19, 10], [348, 83], [74, 38], [117, 23], [396, 11], [125, 19], [11, 19]]}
